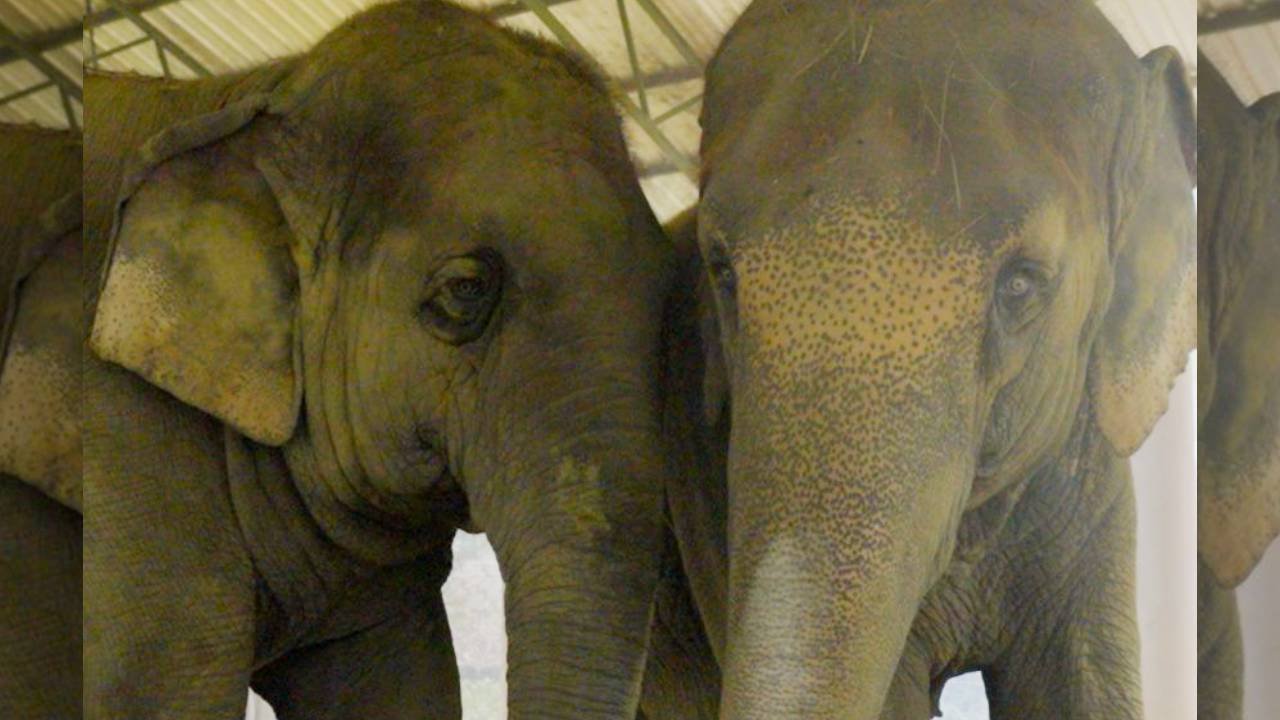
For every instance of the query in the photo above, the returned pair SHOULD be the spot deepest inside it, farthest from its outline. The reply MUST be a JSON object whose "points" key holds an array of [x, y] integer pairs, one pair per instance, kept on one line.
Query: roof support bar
{"points": [[65, 84], [54, 39], [672, 34], [659, 78], [96, 56], [161, 40], [11, 97], [515, 7], [678, 108], [67, 88], [646, 123], [636, 76], [1253, 13]]}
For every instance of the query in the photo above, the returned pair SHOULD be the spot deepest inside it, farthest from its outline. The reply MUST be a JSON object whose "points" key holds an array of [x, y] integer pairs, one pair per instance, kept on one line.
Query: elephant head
{"points": [[1239, 329], [40, 347], [946, 239], [418, 261]]}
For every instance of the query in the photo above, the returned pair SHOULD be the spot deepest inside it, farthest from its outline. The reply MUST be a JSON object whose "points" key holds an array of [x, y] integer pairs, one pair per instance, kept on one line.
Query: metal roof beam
{"points": [[14, 96], [668, 29], [54, 39], [162, 41], [659, 78], [515, 7], [1255, 13], [65, 84], [638, 116]]}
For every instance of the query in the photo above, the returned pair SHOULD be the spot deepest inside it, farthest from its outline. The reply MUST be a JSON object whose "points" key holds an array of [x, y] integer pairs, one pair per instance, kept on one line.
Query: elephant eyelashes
{"points": [[1020, 290], [461, 298]]}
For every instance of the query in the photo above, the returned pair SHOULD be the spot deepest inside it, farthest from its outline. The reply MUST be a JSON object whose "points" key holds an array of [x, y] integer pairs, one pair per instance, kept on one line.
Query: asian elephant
{"points": [[40, 331], [1239, 370], [951, 251], [350, 302]]}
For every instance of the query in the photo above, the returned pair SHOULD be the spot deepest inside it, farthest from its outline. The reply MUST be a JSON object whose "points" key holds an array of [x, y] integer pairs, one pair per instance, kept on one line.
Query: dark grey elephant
{"points": [[350, 302], [951, 250], [1239, 369], [40, 330]]}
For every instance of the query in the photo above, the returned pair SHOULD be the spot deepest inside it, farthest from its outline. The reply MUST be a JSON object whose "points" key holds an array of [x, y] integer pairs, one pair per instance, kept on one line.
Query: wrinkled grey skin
{"points": [[951, 249], [40, 548], [290, 410], [682, 676], [1239, 370]]}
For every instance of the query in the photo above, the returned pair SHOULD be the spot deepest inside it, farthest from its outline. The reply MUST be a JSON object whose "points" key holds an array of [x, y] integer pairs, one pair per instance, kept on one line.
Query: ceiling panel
{"points": [[1248, 57], [226, 35], [34, 22]]}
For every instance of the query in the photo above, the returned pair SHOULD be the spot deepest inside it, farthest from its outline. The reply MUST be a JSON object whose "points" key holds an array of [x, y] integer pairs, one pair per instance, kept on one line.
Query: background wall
{"points": [[1259, 617]]}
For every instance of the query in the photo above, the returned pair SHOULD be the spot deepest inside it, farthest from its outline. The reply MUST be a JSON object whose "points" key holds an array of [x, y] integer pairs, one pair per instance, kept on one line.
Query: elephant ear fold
{"points": [[1150, 323], [695, 319], [40, 357], [1239, 443], [200, 291]]}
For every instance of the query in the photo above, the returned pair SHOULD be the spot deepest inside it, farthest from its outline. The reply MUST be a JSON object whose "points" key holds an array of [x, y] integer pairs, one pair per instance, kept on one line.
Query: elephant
{"points": [[40, 523], [343, 305], [1238, 372], [949, 250]]}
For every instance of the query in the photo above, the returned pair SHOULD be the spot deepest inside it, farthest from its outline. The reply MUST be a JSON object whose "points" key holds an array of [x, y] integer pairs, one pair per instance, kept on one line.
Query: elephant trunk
{"points": [[580, 557], [839, 523]]}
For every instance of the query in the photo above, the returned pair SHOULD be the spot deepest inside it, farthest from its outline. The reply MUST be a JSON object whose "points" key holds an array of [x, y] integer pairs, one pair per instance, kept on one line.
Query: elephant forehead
{"points": [[901, 90], [864, 277]]}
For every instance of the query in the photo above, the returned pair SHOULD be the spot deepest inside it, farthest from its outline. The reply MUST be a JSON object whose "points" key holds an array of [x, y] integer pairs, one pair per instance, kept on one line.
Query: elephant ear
{"points": [[697, 306], [40, 356], [1239, 468], [1150, 323], [698, 407], [200, 290]]}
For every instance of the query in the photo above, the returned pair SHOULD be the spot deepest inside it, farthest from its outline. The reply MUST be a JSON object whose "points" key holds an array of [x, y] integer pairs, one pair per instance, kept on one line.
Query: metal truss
{"points": [[164, 45], [1252, 13], [68, 89], [640, 84], [640, 112]]}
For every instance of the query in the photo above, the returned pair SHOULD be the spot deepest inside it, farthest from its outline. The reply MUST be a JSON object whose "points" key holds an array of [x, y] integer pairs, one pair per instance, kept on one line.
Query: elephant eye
{"points": [[1020, 293], [461, 297], [469, 288], [720, 268]]}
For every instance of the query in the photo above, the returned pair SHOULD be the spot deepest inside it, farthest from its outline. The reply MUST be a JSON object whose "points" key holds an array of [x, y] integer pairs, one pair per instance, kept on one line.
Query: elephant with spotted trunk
{"points": [[350, 302], [1239, 370], [40, 329], [950, 251]]}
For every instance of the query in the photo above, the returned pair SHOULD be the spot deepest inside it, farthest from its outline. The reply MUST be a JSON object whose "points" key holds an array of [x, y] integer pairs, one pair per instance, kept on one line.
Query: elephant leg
{"points": [[1220, 661], [40, 620], [682, 679], [1075, 650], [168, 584], [402, 668]]}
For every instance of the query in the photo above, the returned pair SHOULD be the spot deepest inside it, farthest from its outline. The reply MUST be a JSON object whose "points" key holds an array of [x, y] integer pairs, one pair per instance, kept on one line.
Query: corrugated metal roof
{"points": [[225, 35], [1249, 57], [32, 21]]}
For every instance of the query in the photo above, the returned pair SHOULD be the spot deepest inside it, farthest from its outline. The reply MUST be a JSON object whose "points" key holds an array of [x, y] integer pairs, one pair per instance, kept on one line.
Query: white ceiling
{"points": [[1249, 58]]}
